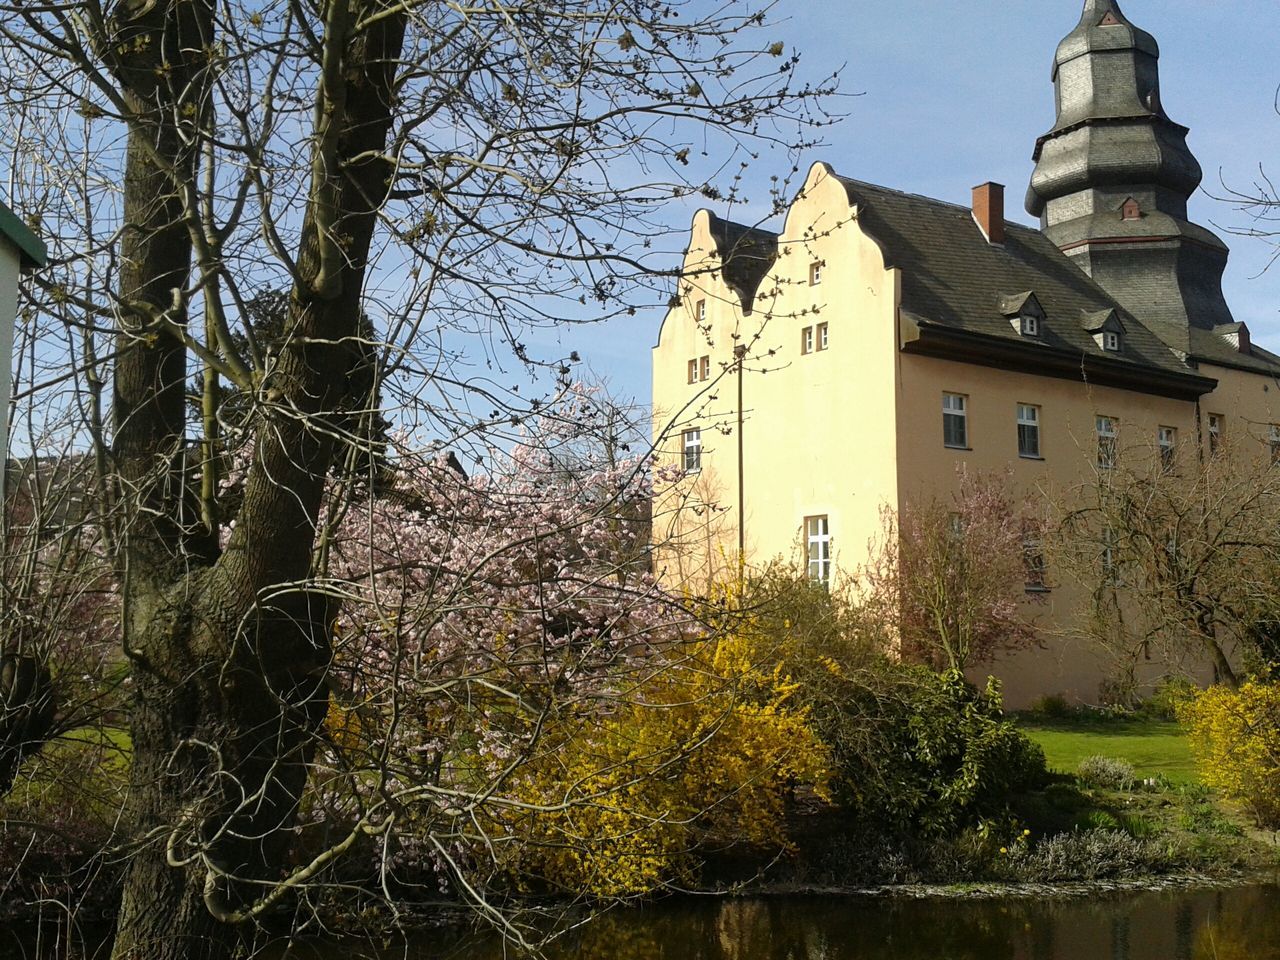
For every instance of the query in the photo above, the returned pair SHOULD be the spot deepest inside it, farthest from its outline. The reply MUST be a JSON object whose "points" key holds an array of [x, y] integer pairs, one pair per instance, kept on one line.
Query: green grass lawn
{"points": [[1152, 746]]}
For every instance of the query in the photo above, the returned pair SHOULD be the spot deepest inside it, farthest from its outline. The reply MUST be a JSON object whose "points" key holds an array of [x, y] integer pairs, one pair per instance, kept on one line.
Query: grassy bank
{"points": [[1156, 748]]}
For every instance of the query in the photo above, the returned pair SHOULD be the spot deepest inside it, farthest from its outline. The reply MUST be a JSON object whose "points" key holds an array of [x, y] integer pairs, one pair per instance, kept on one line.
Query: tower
{"points": [[1113, 177]]}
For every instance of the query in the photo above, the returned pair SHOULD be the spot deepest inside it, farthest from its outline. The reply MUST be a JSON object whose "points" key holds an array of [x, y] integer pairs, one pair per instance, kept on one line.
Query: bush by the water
{"points": [[1235, 737], [941, 755], [1086, 855], [1107, 772]]}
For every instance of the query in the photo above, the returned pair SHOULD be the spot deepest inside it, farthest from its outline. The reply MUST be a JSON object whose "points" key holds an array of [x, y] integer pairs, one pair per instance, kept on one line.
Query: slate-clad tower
{"points": [[1112, 180]]}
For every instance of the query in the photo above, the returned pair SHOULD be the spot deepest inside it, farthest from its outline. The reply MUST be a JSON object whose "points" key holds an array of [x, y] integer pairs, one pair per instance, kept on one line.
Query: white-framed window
{"points": [[1033, 560], [806, 340], [1111, 341], [817, 537], [821, 333], [955, 420], [1030, 325], [1274, 441], [815, 273], [1108, 558], [1215, 433], [1028, 430], [700, 310], [693, 370], [692, 450], [1107, 435], [1167, 441], [704, 368]]}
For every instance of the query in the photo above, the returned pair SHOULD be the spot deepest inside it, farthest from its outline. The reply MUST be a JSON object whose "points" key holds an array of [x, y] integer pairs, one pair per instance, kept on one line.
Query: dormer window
{"points": [[1024, 312], [1130, 210], [1106, 329]]}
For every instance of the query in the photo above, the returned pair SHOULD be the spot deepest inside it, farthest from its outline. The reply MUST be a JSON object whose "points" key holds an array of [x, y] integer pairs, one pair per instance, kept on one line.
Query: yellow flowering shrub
{"points": [[705, 750], [1235, 737]]}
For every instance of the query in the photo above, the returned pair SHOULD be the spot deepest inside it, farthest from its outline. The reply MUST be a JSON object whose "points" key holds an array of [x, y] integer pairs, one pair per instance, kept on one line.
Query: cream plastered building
{"points": [[853, 359]]}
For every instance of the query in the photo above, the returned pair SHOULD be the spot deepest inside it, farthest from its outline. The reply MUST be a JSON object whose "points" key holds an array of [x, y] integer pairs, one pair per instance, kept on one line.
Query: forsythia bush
{"points": [[706, 750], [1235, 737]]}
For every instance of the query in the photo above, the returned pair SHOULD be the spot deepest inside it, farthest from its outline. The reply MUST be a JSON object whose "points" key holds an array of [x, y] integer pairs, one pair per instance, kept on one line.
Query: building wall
{"points": [[818, 436], [847, 431], [9, 264]]}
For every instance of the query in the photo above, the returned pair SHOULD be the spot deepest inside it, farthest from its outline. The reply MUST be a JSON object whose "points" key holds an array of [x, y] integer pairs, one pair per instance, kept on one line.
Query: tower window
{"points": [[700, 310], [823, 339], [806, 340], [815, 273]]}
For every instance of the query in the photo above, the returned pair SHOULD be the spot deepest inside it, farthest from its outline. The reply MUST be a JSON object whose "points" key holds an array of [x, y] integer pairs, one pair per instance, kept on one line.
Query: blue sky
{"points": [[950, 94]]}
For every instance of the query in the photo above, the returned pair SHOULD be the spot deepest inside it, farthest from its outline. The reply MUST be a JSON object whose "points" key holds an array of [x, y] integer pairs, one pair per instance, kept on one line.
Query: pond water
{"points": [[1238, 923], [1234, 923]]}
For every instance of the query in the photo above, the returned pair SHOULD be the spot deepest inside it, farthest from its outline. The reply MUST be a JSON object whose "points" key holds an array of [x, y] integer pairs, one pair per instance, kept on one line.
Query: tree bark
{"points": [[229, 649]]}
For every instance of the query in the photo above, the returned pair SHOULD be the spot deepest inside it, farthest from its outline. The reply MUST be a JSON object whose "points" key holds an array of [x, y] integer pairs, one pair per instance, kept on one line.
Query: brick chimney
{"points": [[988, 210]]}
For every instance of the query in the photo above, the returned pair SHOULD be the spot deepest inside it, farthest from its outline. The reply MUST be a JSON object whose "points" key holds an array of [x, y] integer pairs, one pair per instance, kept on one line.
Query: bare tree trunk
{"points": [[229, 655]]}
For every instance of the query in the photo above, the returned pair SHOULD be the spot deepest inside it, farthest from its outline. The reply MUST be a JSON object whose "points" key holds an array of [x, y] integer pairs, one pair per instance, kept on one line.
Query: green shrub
{"points": [[1099, 820], [1106, 772], [939, 755], [1052, 706], [1139, 827], [1168, 698]]}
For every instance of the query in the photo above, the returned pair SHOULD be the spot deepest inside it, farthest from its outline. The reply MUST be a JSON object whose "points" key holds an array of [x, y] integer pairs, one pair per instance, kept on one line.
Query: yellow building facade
{"points": [[852, 361]]}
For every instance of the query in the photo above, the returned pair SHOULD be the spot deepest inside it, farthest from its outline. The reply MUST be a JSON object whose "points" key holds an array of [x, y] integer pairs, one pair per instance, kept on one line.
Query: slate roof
{"points": [[952, 277], [746, 254]]}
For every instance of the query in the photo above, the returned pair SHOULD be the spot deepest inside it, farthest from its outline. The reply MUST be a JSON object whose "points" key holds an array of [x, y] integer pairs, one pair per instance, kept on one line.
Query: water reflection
{"points": [[1231, 924], [1241, 923]]}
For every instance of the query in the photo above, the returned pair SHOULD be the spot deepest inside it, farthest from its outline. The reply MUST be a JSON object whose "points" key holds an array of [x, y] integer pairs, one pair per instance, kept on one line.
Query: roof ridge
{"points": [[961, 207]]}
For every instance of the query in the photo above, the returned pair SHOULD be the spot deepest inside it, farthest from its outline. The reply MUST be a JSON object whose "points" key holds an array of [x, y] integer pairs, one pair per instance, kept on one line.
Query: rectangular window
{"points": [[822, 336], [1111, 341], [692, 451], [704, 368], [817, 535], [1030, 325], [955, 426], [1033, 560], [693, 371], [815, 273], [1167, 440], [1275, 443], [1215, 433], [1106, 427], [1028, 430], [806, 340], [700, 310], [1108, 558]]}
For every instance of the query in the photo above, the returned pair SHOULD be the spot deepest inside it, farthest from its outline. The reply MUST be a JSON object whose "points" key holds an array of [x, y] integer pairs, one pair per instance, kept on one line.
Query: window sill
{"points": [[1027, 456], [1032, 588], [949, 446]]}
